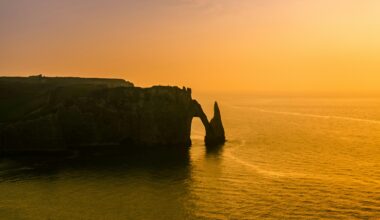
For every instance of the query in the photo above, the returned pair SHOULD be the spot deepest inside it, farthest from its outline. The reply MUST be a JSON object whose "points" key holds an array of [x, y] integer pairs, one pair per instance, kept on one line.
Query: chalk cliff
{"points": [[58, 114]]}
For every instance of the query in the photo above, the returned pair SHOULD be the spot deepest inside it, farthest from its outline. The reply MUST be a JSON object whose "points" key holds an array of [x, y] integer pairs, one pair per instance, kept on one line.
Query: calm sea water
{"points": [[285, 159]]}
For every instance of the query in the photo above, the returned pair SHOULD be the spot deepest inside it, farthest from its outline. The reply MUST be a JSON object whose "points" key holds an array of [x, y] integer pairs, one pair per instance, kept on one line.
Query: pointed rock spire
{"points": [[215, 135]]}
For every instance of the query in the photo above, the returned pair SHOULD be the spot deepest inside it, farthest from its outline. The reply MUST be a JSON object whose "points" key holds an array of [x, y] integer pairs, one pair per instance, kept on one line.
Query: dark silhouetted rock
{"points": [[216, 135], [59, 114]]}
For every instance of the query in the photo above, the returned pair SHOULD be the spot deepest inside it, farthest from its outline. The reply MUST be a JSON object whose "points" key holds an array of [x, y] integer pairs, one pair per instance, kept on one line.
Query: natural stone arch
{"points": [[214, 129]]}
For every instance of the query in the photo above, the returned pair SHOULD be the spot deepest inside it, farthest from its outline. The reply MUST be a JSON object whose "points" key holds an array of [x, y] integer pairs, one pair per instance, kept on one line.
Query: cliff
{"points": [[58, 114]]}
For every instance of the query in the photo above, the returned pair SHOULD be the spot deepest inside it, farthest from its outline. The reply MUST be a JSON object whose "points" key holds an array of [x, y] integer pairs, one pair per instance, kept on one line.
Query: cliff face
{"points": [[61, 115]]}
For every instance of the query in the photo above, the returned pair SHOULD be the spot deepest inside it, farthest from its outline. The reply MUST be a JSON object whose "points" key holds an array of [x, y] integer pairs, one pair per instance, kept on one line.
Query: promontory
{"points": [[50, 114]]}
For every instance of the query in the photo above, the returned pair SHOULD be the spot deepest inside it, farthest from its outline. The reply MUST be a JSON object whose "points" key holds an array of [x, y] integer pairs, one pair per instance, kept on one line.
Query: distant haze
{"points": [[266, 46]]}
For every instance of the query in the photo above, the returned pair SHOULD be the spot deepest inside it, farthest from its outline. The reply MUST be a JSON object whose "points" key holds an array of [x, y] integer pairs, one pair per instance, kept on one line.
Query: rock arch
{"points": [[214, 128]]}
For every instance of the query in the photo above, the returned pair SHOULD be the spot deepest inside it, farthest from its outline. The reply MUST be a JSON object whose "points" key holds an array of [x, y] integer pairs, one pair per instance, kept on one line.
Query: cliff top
{"points": [[65, 81], [21, 95]]}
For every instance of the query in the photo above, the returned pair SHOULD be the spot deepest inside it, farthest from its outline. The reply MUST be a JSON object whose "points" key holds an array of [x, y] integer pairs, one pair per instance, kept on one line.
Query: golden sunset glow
{"points": [[209, 45], [189, 109]]}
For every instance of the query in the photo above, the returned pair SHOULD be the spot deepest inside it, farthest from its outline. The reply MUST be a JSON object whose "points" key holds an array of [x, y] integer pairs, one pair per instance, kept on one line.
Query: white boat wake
{"points": [[295, 175]]}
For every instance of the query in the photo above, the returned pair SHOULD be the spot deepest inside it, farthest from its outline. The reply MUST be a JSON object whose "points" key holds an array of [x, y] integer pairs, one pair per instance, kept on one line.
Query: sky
{"points": [[244, 46]]}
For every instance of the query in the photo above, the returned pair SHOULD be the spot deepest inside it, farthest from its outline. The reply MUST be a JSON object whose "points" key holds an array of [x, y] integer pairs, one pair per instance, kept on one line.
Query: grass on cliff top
{"points": [[20, 96]]}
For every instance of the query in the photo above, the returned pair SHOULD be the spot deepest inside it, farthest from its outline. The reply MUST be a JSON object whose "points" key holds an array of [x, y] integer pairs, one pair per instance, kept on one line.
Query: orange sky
{"points": [[209, 45]]}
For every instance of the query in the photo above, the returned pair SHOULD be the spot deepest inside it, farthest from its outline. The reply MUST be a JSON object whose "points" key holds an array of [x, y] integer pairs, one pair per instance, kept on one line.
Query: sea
{"points": [[285, 158]]}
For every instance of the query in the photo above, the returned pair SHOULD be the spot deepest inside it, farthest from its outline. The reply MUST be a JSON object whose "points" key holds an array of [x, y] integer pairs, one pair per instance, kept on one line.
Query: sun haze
{"points": [[210, 45]]}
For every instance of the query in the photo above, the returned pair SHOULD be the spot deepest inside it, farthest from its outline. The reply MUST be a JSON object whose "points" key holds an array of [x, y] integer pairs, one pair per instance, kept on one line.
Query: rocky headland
{"points": [[51, 114]]}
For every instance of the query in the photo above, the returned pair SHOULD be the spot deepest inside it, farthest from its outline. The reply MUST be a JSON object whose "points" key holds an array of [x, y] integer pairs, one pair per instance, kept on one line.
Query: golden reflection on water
{"points": [[295, 158]]}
